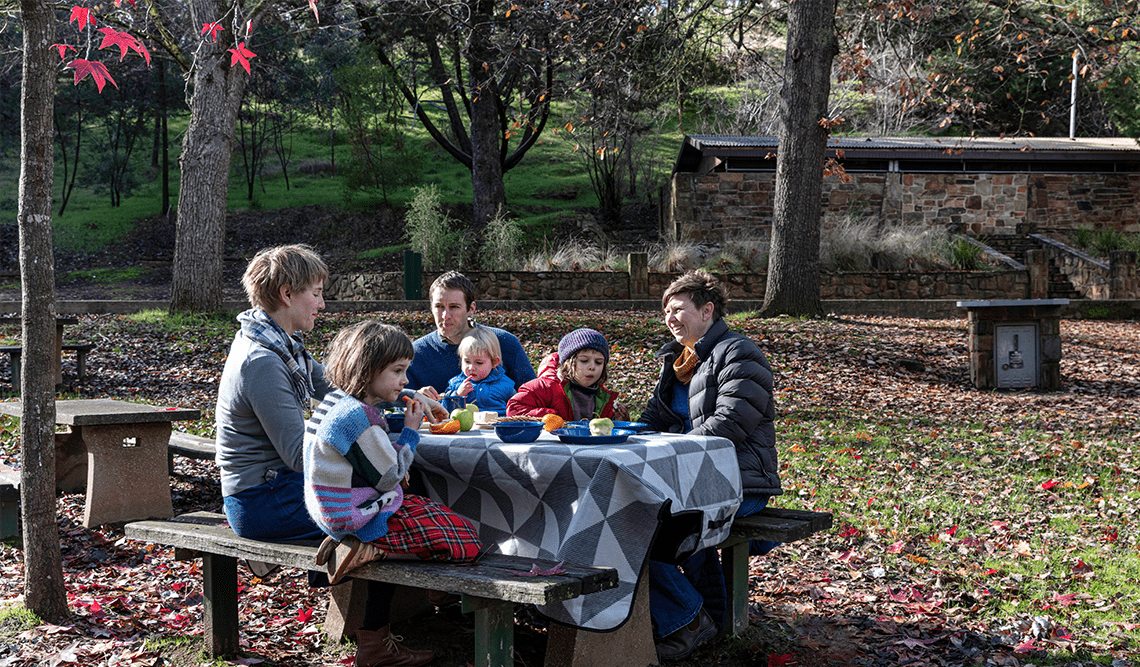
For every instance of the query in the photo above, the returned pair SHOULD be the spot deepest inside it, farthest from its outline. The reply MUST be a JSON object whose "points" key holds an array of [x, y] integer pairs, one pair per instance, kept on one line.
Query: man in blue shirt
{"points": [[437, 354]]}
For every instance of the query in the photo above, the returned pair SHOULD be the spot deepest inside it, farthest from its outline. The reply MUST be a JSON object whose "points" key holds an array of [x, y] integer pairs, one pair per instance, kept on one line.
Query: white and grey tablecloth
{"points": [[585, 504]]}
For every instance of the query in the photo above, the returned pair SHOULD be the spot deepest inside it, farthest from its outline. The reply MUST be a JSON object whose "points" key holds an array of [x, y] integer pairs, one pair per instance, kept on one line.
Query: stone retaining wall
{"points": [[1094, 279], [602, 285], [714, 206]]}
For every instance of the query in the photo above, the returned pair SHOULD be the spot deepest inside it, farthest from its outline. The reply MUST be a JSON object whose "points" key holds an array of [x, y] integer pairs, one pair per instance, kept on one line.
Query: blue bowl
{"points": [[395, 421], [629, 426], [518, 431]]}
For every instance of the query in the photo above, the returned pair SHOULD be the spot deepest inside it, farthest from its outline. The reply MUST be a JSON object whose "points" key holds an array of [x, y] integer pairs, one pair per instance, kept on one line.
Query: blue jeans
{"points": [[677, 595], [274, 510]]}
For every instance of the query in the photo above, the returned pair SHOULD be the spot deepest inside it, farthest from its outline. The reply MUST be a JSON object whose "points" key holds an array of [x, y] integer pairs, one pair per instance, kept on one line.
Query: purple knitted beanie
{"points": [[580, 339]]}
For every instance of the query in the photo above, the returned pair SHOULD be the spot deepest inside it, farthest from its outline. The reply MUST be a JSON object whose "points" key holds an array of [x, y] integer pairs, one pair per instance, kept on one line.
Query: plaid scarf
{"points": [[257, 326]]}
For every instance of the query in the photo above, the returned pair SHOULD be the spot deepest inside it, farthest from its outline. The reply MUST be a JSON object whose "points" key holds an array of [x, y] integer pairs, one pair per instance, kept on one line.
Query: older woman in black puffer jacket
{"points": [[714, 382]]}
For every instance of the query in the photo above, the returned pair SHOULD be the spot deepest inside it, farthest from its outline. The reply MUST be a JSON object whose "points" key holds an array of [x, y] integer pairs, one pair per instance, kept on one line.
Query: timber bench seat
{"points": [[490, 587], [775, 524]]}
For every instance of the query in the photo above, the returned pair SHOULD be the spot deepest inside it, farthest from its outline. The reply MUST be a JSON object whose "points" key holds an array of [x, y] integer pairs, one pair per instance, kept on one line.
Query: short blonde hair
{"points": [[297, 267], [362, 350], [481, 340]]}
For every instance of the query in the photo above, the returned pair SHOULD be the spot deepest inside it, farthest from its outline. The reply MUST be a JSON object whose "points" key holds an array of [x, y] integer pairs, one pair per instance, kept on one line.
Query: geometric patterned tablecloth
{"points": [[586, 504]]}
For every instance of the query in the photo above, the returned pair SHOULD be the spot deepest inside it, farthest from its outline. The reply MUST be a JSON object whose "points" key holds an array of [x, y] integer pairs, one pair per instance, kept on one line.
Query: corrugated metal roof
{"points": [[1092, 144], [707, 149]]}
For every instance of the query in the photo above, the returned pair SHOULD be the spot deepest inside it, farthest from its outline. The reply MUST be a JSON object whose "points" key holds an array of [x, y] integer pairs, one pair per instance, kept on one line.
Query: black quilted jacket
{"points": [[730, 395]]}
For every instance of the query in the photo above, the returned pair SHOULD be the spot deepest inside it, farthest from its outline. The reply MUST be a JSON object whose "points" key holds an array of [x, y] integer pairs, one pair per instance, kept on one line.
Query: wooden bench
{"points": [[489, 588], [81, 350], [774, 524], [9, 502]]}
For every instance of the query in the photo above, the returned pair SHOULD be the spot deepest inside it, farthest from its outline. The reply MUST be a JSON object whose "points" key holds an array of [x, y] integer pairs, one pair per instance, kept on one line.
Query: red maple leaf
{"points": [[1049, 484], [62, 48], [124, 41], [304, 614], [81, 15], [781, 660], [241, 55], [212, 28], [96, 69]]}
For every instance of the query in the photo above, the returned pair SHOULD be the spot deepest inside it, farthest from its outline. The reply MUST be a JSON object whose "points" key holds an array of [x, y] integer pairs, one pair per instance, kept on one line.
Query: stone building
{"points": [[983, 186]]}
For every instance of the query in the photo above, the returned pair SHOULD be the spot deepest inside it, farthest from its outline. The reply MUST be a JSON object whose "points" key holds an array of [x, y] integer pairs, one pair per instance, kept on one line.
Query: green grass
{"points": [[15, 619], [105, 275]]}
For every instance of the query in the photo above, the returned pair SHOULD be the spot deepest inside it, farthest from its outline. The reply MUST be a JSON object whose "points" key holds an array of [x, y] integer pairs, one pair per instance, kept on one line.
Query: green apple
{"points": [[601, 426], [472, 408], [465, 417]]}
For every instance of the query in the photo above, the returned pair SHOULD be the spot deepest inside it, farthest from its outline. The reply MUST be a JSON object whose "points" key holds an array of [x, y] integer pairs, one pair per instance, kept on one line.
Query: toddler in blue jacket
{"points": [[482, 378]]}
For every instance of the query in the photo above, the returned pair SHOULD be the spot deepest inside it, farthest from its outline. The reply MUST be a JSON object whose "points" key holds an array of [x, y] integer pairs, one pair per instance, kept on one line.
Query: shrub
{"points": [[1107, 240], [502, 243], [430, 230], [963, 254], [675, 256], [1082, 237]]}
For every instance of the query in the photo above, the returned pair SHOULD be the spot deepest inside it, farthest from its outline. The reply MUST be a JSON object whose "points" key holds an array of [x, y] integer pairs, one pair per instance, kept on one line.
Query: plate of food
{"points": [[577, 435], [636, 427]]}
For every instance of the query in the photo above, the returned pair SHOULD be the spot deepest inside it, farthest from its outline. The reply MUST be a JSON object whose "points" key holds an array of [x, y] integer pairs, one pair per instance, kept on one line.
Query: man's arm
{"points": [[515, 362]]}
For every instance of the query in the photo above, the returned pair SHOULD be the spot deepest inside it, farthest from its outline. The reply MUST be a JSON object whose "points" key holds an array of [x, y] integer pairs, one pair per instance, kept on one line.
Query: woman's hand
{"points": [[413, 414], [430, 392]]}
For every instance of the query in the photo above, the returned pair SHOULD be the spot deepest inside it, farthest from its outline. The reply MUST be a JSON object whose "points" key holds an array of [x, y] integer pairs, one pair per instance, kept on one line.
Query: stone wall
{"points": [[1094, 279], [712, 206], [575, 285]]}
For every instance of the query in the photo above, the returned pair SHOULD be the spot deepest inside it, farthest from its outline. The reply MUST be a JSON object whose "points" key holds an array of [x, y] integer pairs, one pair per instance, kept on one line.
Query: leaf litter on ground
{"points": [[971, 527]]}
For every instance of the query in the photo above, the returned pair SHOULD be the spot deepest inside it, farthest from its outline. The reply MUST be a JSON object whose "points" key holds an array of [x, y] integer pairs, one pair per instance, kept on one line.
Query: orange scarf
{"points": [[685, 364]]}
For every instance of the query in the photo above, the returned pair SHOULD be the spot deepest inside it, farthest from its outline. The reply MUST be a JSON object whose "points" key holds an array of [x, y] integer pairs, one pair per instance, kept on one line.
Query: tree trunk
{"points": [[44, 592], [793, 264], [200, 227], [488, 191]]}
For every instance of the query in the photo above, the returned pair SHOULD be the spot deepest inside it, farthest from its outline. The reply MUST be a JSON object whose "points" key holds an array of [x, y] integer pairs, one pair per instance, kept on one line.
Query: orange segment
{"points": [[449, 426], [551, 422]]}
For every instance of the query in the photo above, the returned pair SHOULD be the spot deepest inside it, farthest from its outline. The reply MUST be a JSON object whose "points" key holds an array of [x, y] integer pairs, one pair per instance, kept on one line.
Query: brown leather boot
{"points": [[350, 554], [325, 550], [380, 648]]}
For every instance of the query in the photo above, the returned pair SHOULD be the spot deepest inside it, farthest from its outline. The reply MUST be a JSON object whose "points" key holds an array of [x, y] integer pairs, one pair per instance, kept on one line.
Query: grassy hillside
{"points": [[550, 185]]}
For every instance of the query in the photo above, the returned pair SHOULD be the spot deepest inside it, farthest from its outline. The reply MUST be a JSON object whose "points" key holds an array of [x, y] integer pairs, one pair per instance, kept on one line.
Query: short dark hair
{"points": [[701, 287], [362, 350], [454, 280], [296, 266]]}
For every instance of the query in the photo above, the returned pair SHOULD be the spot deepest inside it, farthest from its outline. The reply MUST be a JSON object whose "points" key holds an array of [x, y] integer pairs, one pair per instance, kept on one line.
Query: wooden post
{"points": [[638, 275], [220, 606]]}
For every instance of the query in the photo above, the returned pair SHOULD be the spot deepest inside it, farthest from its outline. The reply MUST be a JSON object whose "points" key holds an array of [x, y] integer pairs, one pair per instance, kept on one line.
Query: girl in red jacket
{"points": [[572, 388]]}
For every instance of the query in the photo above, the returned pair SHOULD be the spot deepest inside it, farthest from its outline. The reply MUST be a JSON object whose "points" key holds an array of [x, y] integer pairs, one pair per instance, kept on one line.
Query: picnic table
{"points": [[125, 446], [57, 359], [602, 505]]}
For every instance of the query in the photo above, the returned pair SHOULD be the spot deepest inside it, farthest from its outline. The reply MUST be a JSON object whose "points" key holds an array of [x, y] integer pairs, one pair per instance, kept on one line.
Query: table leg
{"points": [[126, 472], [631, 645]]}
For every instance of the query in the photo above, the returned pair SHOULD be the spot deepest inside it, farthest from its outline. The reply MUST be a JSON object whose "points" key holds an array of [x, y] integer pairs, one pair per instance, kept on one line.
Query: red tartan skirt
{"points": [[425, 528]]}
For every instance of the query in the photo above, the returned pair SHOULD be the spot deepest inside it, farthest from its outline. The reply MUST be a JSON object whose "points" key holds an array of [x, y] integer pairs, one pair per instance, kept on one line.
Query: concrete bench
{"points": [[488, 588], [81, 350], [9, 502], [189, 446]]}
